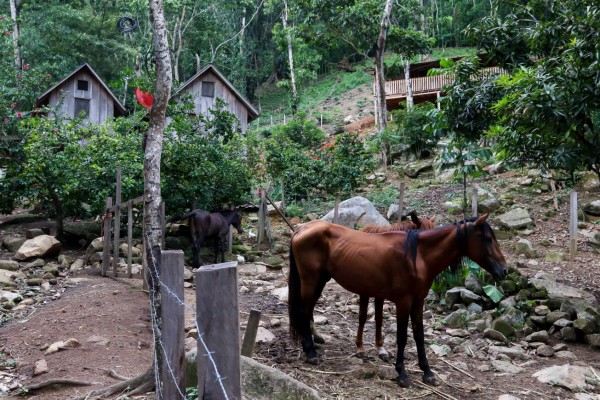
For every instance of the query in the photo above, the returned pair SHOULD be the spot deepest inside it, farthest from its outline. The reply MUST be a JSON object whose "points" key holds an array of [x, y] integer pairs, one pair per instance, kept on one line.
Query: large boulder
{"points": [[563, 293], [40, 246], [486, 202], [514, 219], [13, 244], [573, 377], [357, 211], [592, 208], [413, 169]]}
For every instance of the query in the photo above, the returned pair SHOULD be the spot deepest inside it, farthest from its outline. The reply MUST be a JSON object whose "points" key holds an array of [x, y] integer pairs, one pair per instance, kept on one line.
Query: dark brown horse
{"points": [[415, 222], [205, 225], [398, 266]]}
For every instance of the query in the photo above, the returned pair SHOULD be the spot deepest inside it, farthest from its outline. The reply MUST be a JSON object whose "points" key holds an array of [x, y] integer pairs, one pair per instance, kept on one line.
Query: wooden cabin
{"points": [[208, 85], [83, 93]]}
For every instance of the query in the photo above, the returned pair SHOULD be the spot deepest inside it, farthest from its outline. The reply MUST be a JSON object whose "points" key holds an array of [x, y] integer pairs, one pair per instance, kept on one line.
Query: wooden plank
{"points": [[106, 240], [474, 202], [217, 316], [261, 219], [250, 334], [129, 238], [573, 225], [173, 333], [117, 224], [401, 200]]}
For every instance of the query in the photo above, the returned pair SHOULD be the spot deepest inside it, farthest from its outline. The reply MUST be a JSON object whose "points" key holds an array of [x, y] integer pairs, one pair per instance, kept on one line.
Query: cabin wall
{"points": [[202, 104], [101, 104]]}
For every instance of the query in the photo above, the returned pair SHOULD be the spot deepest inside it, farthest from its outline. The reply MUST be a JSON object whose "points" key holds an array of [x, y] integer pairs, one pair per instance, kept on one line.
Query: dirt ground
{"points": [[110, 320]]}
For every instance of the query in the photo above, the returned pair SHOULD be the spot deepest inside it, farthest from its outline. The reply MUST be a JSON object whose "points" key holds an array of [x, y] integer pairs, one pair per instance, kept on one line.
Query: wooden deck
{"points": [[429, 86]]}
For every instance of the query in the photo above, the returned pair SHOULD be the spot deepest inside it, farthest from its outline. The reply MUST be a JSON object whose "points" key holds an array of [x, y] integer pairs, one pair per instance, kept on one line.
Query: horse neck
{"points": [[228, 215], [439, 248]]}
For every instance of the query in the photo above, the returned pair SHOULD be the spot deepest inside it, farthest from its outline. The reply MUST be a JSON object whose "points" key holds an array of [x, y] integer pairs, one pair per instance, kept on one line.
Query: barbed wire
{"points": [[155, 329]]}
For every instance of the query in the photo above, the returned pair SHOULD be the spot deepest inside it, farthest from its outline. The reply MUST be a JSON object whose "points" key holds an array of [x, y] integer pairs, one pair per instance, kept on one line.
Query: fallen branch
{"points": [[436, 391], [113, 374], [326, 372], [51, 382], [140, 384], [458, 369]]}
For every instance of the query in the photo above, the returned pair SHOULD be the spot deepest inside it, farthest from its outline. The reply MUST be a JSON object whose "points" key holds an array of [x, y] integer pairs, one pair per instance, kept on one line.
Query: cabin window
{"points": [[208, 89], [82, 106], [82, 85]]}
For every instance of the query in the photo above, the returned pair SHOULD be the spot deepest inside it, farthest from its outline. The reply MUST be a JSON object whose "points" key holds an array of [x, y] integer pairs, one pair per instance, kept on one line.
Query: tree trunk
{"points": [[284, 18], [409, 93], [379, 68], [17, 48], [177, 44], [152, 156]]}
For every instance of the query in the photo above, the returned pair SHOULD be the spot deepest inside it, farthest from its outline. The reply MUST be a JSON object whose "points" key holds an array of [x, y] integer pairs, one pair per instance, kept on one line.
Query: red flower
{"points": [[8, 33], [5, 120], [19, 114], [56, 131], [48, 76], [144, 98], [26, 66], [12, 105]]}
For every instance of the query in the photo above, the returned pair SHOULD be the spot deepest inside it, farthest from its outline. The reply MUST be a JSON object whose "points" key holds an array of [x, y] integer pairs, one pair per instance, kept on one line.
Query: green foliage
{"points": [[408, 130], [383, 198], [191, 393], [494, 294]]}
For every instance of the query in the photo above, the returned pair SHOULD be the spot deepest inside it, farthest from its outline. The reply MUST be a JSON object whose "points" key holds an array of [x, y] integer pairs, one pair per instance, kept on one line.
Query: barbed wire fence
{"points": [[168, 374]]}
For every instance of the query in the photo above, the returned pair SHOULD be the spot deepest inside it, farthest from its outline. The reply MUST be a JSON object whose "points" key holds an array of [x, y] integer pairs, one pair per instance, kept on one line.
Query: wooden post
{"points": [[401, 201], [261, 219], [474, 202], [284, 119], [336, 208], [106, 244], [250, 334], [173, 334], [145, 274], [230, 240], [554, 195], [129, 237], [117, 224], [162, 225], [282, 194], [217, 316], [321, 121], [573, 226]]}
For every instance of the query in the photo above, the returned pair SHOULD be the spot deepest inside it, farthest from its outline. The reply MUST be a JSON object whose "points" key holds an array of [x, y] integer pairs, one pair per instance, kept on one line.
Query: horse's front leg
{"points": [[362, 318], [381, 352], [416, 317], [402, 313], [195, 254]]}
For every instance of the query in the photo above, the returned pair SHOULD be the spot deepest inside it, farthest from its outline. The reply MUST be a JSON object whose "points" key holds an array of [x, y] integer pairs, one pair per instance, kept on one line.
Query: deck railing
{"points": [[427, 84]]}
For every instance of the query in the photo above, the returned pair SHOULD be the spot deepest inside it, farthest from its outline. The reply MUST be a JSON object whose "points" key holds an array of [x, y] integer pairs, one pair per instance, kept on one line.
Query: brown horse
{"points": [[205, 225], [415, 222], [398, 266]]}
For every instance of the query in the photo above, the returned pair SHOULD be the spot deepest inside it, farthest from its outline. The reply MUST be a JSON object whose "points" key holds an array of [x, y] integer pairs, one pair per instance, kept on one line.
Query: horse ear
{"points": [[481, 219], [432, 219], [414, 218]]}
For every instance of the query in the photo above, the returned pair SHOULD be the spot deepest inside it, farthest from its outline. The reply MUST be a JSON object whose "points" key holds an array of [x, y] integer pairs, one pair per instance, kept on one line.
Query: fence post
{"points": [[261, 218], [217, 315], [573, 226], [250, 334], [173, 334], [162, 224], [129, 237], [401, 201], [474, 202], [106, 244], [117, 224], [336, 208]]}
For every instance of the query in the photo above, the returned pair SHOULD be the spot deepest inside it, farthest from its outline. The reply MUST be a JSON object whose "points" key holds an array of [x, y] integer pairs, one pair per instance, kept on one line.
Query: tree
{"points": [[380, 104]]}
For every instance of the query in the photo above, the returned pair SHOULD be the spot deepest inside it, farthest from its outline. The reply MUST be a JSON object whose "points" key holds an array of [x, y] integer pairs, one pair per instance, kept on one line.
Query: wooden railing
{"points": [[427, 84]]}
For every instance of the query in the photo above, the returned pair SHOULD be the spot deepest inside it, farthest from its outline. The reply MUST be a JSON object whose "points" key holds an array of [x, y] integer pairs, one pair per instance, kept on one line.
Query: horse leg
{"points": [[308, 345], [416, 317], [323, 279], [196, 253], [362, 318], [402, 313], [381, 352]]}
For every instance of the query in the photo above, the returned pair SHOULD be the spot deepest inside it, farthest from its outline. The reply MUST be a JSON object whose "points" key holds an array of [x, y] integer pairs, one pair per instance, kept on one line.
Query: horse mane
{"points": [[460, 239], [398, 226]]}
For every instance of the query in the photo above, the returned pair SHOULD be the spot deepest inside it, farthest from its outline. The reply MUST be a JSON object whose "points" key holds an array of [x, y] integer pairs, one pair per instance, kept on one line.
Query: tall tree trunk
{"points": [[379, 70], [284, 18], [152, 156], [17, 48], [177, 44], [409, 93]]}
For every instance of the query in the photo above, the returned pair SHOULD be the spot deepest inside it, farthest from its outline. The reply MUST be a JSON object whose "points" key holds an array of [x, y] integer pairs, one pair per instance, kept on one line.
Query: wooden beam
{"points": [[106, 240], [117, 223], [250, 334]]}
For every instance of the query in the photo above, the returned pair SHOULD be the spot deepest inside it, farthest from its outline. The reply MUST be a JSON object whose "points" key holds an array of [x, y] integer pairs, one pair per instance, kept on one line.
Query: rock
{"points": [[13, 244], [41, 367], [584, 326], [508, 302], [514, 219], [40, 246], [592, 208], [515, 316], [474, 308], [572, 377], [10, 296], [412, 170], [320, 319], [67, 344], [506, 367], [274, 262], [568, 334], [98, 340], [539, 336], [563, 293], [469, 297], [473, 283], [452, 295], [479, 325], [555, 257], [567, 355], [457, 319], [514, 353], [486, 202], [545, 351], [495, 335], [77, 265], [34, 232], [508, 286], [357, 211], [281, 293], [507, 397], [9, 265], [593, 340], [504, 326], [458, 333], [541, 310], [440, 351], [554, 316], [264, 335], [525, 247]]}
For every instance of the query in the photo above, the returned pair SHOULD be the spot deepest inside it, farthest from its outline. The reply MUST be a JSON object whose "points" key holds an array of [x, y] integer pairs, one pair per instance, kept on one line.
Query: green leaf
{"points": [[494, 294]]}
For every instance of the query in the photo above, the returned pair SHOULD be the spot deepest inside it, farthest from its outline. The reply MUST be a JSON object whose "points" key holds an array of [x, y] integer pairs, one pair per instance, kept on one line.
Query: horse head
{"points": [[236, 221], [482, 247]]}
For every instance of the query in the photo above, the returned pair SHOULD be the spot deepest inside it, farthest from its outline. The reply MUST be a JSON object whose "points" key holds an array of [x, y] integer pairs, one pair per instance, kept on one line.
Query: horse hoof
{"points": [[312, 360], [363, 356], [403, 382], [384, 357], [430, 380], [319, 339]]}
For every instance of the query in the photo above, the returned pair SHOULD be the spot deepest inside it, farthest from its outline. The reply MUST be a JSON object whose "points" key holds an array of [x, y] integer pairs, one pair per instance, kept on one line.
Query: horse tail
{"points": [[294, 298], [181, 217]]}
